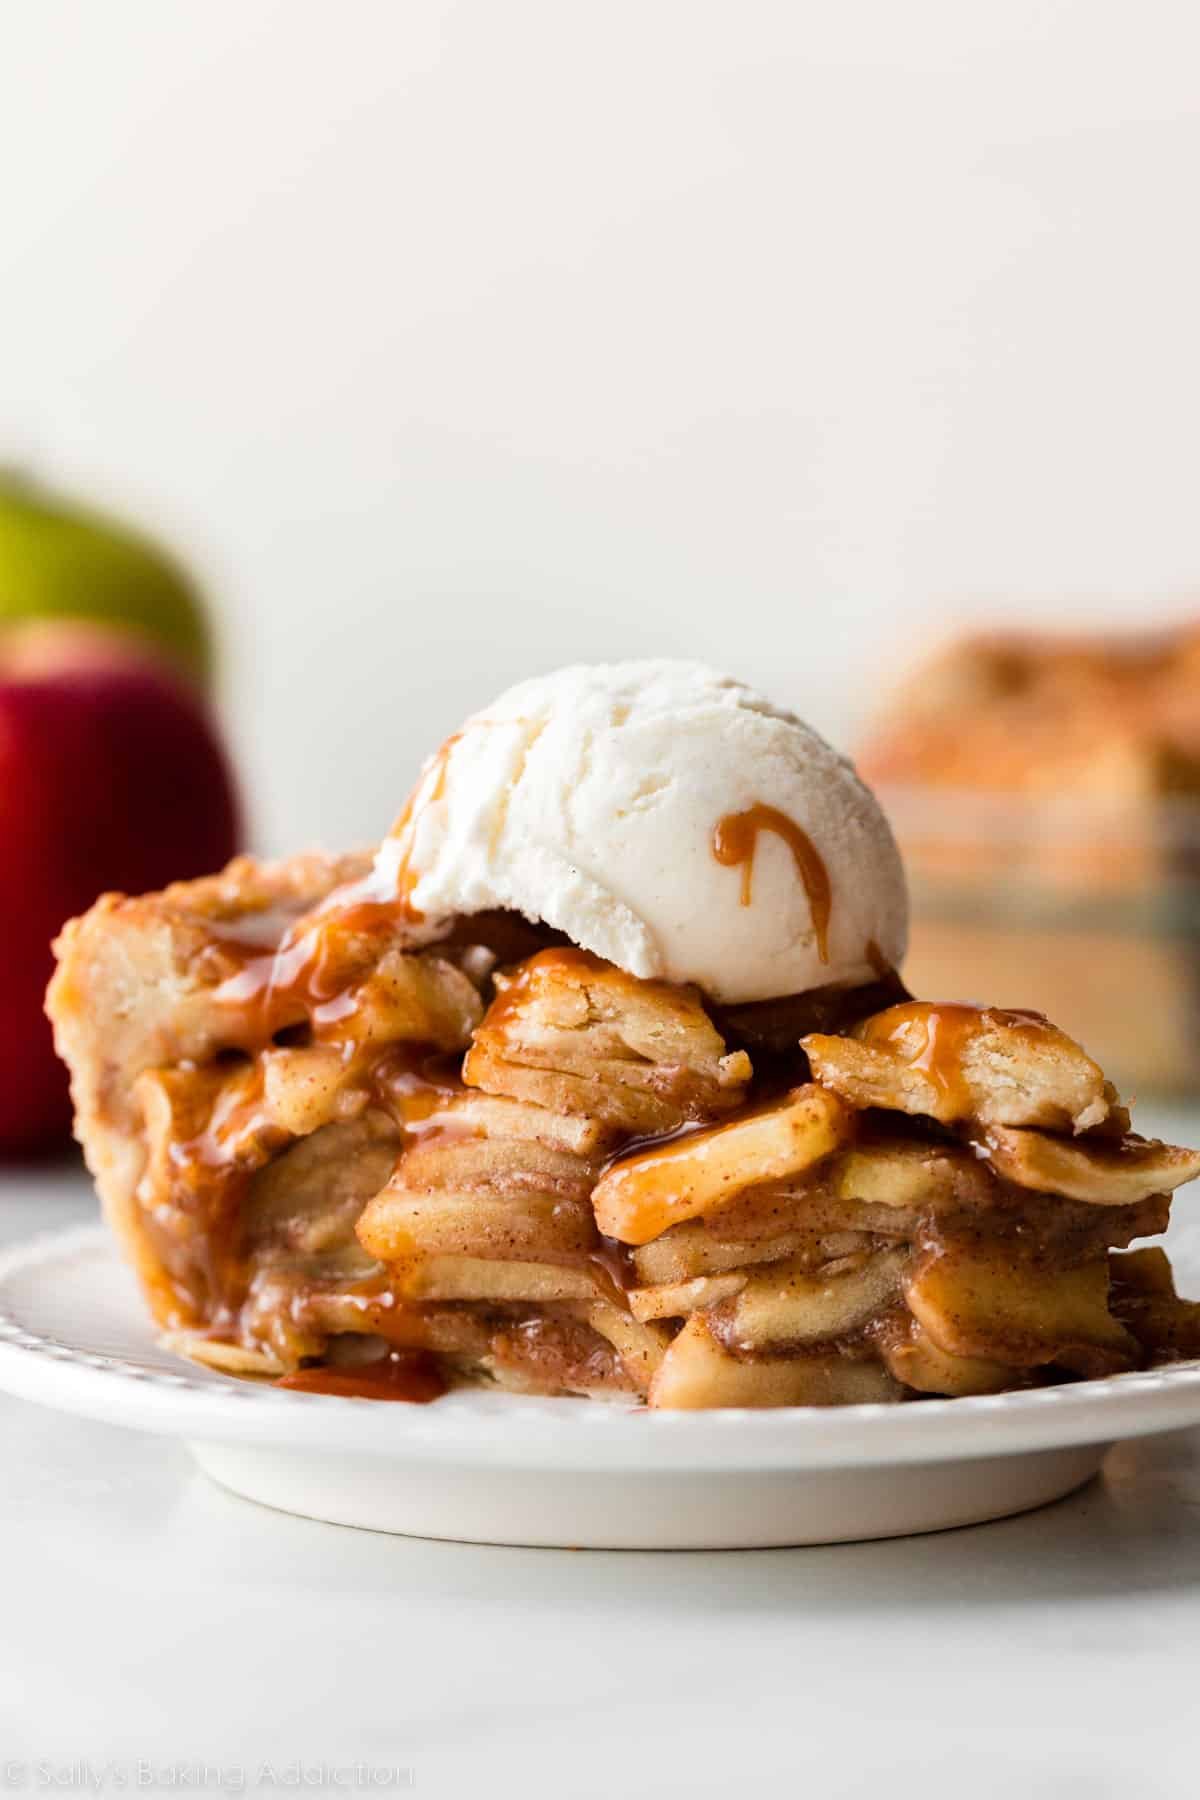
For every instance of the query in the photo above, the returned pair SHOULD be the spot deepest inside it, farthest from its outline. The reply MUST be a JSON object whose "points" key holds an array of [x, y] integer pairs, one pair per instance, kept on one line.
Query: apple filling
{"points": [[342, 1162]]}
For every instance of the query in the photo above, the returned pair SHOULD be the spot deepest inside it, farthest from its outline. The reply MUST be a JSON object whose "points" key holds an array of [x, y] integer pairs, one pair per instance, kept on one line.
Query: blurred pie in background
{"points": [[1045, 792]]}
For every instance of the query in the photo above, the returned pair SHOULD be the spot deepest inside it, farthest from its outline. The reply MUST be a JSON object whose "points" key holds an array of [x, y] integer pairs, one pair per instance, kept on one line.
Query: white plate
{"points": [[498, 1468]]}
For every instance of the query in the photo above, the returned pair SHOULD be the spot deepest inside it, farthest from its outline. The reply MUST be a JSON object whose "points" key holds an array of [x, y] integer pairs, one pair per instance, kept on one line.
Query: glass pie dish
{"points": [[1088, 912]]}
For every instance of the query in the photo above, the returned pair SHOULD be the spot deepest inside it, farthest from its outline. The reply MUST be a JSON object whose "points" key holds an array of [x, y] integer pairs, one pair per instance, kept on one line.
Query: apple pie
{"points": [[1046, 791], [349, 1159], [1106, 719]]}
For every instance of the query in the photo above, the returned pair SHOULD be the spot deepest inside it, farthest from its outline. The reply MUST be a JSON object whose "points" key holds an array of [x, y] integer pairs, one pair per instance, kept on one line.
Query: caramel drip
{"points": [[612, 1264], [644, 1142], [255, 931], [416, 1088], [933, 1037], [291, 987], [515, 990], [234, 1134], [380, 899], [430, 788], [735, 838], [307, 970], [412, 1376]]}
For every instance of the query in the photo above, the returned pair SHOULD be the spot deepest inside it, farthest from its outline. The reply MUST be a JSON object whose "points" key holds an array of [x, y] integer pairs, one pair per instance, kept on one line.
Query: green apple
{"points": [[61, 562]]}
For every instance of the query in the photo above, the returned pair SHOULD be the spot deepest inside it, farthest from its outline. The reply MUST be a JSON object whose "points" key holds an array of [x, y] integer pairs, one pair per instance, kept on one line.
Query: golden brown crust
{"points": [[133, 991], [577, 1035], [1117, 1172], [954, 1063]]}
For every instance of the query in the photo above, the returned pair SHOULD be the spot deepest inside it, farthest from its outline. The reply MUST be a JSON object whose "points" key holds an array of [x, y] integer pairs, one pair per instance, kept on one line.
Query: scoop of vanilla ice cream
{"points": [[601, 801]]}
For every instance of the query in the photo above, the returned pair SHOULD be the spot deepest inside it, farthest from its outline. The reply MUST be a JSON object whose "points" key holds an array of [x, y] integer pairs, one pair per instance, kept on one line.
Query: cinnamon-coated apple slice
{"points": [[1105, 1172], [676, 1299], [900, 1173], [697, 1248], [790, 1303], [698, 1174], [400, 1227], [487, 1278], [1142, 1295], [989, 1301], [640, 1344], [511, 1199], [697, 1372], [912, 1357]]}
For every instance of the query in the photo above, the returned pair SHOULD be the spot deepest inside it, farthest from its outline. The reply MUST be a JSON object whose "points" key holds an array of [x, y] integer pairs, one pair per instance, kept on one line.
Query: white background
{"points": [[454, 341]]}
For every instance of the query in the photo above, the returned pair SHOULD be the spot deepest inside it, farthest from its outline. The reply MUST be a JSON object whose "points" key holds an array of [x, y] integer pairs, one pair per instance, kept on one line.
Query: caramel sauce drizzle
{"points": [[735, 838], [513, 990], [383, 899], [430, 788], [235, 1134], [612, 1264], [933, 1037], [400, 1375]]}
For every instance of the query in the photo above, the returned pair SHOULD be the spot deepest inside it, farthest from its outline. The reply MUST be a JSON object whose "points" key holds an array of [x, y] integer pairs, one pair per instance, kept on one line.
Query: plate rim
{"points": [[475, 1427]]}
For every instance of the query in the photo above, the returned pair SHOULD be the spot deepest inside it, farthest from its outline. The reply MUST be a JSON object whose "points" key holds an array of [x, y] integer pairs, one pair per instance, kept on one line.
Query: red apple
{"points": [[111, 776], [62, 563]]}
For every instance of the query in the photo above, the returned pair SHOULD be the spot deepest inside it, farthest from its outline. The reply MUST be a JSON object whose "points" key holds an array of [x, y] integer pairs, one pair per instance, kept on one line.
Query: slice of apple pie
{"points": [[363, 1127], [359, 1166]]}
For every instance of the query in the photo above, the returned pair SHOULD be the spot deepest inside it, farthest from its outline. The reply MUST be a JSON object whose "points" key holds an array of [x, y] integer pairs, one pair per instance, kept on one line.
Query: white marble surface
{"points": [[149, 1618]]}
